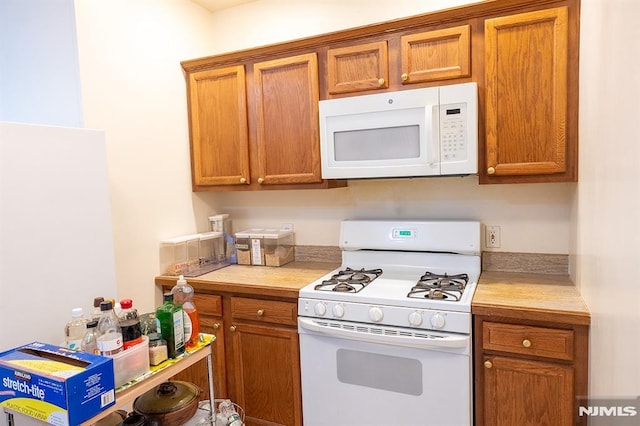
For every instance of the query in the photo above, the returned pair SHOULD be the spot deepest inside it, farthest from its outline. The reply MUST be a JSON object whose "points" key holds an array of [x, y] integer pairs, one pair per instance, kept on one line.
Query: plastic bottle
{"points": [[109, 332], [183, 296], [171, 318], [75, 329], [89, 342], [130, 324]]}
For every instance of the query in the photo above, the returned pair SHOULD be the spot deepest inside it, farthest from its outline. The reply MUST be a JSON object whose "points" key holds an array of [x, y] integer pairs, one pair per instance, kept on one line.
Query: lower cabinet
{"points": [[256, 356], [529, 373]]}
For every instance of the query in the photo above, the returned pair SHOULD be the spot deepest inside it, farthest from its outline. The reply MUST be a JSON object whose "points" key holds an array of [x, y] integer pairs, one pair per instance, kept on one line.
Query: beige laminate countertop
{"points": [[282, 281], [530, 296]]}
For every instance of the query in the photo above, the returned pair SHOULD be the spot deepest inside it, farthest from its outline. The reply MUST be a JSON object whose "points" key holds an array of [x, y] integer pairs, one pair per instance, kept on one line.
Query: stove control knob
{"points": [[320, 309], [376, 314], [437, 321], [415, 318], [338, 311]]}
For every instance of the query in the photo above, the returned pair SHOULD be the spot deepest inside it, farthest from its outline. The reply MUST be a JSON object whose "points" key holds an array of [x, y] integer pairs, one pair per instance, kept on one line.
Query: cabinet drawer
{"points": [[208, 304], [524, 339], [264, 310]]}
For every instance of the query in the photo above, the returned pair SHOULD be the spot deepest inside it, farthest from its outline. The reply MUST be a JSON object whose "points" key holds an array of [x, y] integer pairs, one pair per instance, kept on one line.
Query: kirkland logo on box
{"points": [[54, 384]]}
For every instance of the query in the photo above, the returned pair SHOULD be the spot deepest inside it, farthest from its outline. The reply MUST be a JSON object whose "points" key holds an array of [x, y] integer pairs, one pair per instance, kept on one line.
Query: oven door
{"points": [[360, 374]]}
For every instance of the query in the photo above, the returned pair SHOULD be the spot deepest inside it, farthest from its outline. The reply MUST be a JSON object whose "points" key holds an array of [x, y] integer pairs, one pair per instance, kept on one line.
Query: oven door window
{"points": [[378, 371]]}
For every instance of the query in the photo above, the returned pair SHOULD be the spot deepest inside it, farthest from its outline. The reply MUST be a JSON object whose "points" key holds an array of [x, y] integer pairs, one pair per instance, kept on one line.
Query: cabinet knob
{"points": [[260, 180], [232, 328], [260, 312], [216, 326], [526, 343], [491, 170], [381, 81], [488, 364], [404, 76], [243, 180]]}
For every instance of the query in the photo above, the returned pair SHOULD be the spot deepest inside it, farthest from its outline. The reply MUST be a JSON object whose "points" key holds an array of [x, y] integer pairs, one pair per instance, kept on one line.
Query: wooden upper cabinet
{"points": [[286, 109], [218, 124], [357, 68], [527, 104], [436, 55]]}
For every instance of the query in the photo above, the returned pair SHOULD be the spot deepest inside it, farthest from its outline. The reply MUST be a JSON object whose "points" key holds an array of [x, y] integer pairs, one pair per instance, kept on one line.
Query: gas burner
{"points": [[349, 280], [439, 287]]}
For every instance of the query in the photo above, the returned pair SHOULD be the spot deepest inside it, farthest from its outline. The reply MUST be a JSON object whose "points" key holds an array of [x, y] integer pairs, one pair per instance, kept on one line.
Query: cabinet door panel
{"points": [[267, 374], [527, 393], [358, 68], [219, 129], [436, 55], [288, 144], [526, 93]]}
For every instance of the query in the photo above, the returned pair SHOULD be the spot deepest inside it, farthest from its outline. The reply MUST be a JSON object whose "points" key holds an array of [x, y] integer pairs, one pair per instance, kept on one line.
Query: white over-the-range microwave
{"points": [[419, 132]]}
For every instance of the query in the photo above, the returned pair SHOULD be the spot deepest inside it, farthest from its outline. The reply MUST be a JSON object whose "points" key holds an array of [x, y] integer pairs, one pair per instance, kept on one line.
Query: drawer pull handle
{"points": [[488, 364], [491, 171], [260, 312], [243, 180], [404, 76], [260, 180], [381, 81], [232, 328], [216, 326], [526, 343]]}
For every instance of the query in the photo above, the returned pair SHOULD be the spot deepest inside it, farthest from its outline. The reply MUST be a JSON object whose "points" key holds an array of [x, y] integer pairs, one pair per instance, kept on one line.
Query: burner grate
{"points": [[440, 286], [349, 280]]}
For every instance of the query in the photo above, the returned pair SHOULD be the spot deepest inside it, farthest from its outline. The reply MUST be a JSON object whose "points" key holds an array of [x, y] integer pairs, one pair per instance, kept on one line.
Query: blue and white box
{"points": [[55, 384]]}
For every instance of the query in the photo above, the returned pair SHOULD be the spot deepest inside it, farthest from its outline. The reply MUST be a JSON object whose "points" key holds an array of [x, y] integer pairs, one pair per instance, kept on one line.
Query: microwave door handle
{"points": [[434, 141]]}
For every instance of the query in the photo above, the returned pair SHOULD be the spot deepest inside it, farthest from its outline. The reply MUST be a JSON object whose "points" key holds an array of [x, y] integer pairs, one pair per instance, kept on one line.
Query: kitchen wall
{"points": [[606, 209], [39, 76]]}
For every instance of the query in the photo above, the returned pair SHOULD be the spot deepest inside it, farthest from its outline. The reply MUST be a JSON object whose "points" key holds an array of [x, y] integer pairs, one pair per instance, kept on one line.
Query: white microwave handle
{"points": [[434, 141], [420, 339]]}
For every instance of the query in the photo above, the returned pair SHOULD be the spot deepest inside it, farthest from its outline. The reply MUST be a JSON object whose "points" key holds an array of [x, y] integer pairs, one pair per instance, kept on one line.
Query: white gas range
{"points": [[393, 322]]}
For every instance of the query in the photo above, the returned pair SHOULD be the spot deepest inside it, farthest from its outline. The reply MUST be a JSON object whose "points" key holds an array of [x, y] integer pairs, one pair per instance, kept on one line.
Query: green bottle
{"points": [[171, 320]]}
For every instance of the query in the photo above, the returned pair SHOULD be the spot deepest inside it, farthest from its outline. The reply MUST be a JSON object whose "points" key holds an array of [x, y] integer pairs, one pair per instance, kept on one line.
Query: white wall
{"points": [[607, 206], [39, 80], [133, 88]]}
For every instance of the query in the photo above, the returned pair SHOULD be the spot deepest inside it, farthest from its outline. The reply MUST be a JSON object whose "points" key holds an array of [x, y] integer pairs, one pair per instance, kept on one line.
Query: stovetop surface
{"points": [[400, 273]]}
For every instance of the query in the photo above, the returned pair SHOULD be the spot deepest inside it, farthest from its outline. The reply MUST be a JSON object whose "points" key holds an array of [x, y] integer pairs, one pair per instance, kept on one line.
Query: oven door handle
{"points": [[420, 339]]}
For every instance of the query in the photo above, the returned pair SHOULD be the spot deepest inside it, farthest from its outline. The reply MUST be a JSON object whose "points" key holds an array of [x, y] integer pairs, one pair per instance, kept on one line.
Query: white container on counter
{"points": [[179, 255], [278, 247], [270, 247], [249, 247]]}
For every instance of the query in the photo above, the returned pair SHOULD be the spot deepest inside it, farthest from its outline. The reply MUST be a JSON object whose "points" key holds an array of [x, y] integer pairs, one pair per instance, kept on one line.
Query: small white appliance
{"points": [[419, 132], [386, 338]]}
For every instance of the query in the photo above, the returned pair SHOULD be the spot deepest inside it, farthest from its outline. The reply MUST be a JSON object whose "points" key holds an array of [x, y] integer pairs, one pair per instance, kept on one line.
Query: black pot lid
{"points": [[167, 397]]}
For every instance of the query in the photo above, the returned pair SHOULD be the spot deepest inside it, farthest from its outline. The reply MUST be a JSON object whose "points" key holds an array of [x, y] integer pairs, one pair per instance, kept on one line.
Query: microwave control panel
{"points": [[453, 132]]}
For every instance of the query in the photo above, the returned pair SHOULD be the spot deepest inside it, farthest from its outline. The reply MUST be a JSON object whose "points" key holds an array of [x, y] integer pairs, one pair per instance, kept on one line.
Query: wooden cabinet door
{"points": [[266, 370], [219, 129], [527, 393], [526, 95], [288, 143], [358, 68], [436, 55]]}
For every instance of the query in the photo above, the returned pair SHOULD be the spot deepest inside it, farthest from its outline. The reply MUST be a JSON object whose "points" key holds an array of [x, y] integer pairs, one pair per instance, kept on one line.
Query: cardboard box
{"points": [[55, 384]]}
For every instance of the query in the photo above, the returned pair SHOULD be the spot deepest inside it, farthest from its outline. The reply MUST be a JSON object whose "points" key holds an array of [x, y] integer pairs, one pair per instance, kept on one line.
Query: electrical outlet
{"points": [[492, 237]]}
